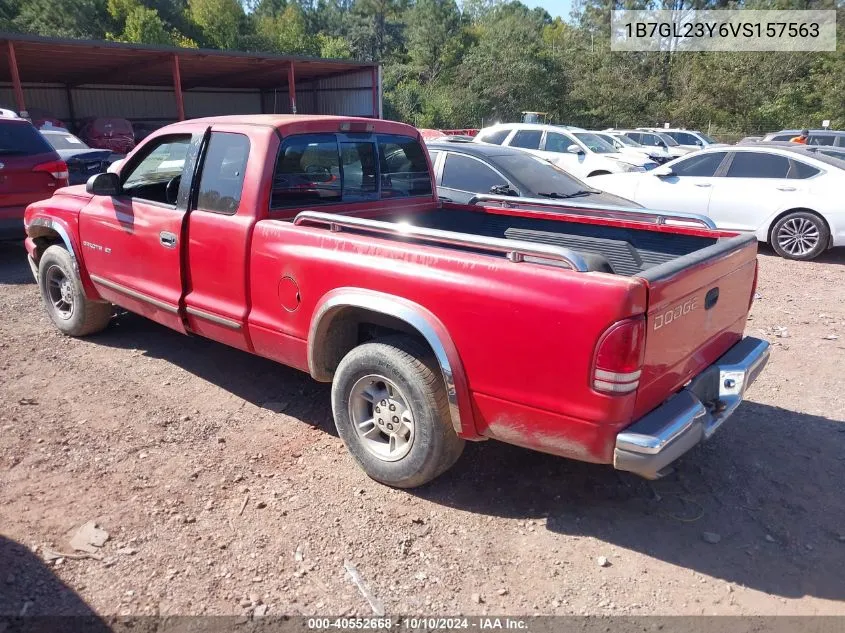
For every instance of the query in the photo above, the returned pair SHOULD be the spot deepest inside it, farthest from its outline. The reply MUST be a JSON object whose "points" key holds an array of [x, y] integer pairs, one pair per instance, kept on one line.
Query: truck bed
{"points": [[606, 248]]}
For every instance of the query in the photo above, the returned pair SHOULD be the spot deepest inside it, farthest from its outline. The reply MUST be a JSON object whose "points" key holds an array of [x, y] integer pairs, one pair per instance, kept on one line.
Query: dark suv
{"points": [[30, 170]]}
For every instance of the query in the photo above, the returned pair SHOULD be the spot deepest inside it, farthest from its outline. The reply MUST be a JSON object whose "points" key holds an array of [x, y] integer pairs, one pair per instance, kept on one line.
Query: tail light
{"points": [[619, 357], [56, 168]]}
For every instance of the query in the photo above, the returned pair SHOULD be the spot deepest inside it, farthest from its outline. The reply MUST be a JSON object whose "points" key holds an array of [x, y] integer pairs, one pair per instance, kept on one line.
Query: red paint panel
{"points": [[536, 350], [679, 348], [544, 431]]}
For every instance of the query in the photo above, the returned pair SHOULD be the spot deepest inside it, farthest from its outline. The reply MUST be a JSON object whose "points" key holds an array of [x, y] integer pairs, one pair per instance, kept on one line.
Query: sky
{"points": [[556, 8]]}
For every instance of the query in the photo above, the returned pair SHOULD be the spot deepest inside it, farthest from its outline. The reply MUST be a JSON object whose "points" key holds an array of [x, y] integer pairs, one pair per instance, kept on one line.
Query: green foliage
{"points": [[463, 63], [219, 21]]}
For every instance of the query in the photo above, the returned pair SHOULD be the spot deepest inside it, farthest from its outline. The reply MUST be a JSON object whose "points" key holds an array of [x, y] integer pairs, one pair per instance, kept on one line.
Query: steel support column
{"points": [[16, 78], [292, 87], [177, 89]]}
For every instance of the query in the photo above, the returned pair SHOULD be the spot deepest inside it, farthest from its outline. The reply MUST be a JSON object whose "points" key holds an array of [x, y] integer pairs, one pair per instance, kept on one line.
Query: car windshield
{"points": [[595, 143], [626, 141], [64, 141], [668, 139], [708, 139], [539, 175]]}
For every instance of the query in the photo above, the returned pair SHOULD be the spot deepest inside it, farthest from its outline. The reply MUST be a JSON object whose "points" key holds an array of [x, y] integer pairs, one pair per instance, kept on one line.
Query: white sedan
{"points": [[789, 197]]}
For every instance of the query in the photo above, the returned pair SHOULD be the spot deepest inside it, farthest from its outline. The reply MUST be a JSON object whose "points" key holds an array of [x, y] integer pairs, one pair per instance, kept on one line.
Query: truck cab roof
{"points": [[314, 123]]}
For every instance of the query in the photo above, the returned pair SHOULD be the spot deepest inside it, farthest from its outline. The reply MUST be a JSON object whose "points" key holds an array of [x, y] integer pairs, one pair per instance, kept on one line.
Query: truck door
{"points": [[132, 242], [233, 188]]}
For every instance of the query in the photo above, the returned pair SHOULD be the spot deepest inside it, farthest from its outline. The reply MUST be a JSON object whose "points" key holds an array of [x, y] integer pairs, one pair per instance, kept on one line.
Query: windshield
{"points": [[595, 143], [65, 141], [539, 175], [626, 141], [708, 139], [668, 140]]}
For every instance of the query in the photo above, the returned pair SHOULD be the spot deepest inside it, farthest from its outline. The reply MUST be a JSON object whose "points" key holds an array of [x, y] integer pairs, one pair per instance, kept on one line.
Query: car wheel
{"points": [[800, 235], [70, 310], [391, 410]]}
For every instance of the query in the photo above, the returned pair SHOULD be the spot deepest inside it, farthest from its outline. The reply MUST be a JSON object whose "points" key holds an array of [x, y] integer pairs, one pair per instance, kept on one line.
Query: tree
{"points": [[287, 33], [144, 26], [219, 21], [84, 19], [433, 36]]}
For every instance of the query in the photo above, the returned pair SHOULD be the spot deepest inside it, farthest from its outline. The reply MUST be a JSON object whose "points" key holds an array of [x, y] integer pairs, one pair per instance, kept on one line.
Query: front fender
{"points": [[419, 319], [60, 224]]}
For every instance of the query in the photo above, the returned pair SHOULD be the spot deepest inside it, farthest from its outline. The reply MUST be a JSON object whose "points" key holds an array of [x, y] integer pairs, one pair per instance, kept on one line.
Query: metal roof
{"points": [[79, 62]]}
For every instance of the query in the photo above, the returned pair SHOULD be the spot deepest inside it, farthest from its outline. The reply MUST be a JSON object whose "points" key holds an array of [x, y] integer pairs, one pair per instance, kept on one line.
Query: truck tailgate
{"points": [[697, 309]]}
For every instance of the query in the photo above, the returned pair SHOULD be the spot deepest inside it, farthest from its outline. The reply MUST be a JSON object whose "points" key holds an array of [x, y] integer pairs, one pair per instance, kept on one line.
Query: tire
{"points": [[395, 380], [64, 299], [800, 235]]}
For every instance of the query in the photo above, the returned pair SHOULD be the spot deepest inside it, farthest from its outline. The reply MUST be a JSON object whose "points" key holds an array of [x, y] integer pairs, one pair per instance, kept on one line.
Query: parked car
{"points": [[431, 320], [44, 119], [30, 170], [112, 134], [749, 139], [790, 197], [817, 137], [582, 154], [464, 170], [82, 161], [625, 145], [656, 139], [688, 139]]}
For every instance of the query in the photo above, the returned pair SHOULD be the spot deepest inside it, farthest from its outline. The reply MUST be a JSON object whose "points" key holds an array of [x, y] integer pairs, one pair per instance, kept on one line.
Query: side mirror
{"points": [[663, 172], [574, 149], [700, 143], [105, 184]]}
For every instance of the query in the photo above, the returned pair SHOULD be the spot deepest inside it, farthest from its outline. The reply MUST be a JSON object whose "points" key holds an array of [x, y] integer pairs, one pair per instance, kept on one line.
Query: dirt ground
{"points": [[225, 489]]}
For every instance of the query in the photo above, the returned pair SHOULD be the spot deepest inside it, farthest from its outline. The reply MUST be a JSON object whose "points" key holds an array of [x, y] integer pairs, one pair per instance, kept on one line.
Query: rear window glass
{"points": [[358, 160], [21, 139], [307, 171], [404, 168], [497, 137], [64, 141]]}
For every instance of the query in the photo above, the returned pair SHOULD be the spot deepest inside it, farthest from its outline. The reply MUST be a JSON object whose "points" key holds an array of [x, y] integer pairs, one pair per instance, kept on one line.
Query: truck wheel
{"points": [[392, 412], [61, 290], [800, 235]]}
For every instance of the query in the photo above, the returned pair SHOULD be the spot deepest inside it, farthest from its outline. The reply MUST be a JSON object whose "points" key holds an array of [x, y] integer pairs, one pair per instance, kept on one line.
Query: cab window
{"points": [[157, 175], [403, 167], [223, 170], [307, 172]]}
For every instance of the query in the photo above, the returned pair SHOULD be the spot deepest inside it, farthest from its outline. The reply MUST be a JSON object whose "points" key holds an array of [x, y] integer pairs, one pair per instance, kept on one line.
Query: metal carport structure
{"points": [[79, 78]]}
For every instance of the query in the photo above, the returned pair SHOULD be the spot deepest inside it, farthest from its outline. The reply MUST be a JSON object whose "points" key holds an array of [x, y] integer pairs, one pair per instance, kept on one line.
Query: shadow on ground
{"points": [[14, 268], [768, 472], [769, 483], [33, 598]]}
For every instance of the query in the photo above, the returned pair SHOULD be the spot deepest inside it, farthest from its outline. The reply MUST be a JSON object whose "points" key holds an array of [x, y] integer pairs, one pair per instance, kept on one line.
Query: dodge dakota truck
{"points": [[603, 334]]}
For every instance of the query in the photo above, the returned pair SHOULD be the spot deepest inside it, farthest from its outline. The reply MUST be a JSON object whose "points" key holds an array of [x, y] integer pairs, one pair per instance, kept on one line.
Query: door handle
{"points": [[702, 184], [785, 188], [167, 239]]}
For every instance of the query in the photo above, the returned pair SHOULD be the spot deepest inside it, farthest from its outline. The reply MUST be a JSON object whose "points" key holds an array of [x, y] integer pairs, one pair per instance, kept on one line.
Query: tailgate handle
{"points": [[711, 298]]}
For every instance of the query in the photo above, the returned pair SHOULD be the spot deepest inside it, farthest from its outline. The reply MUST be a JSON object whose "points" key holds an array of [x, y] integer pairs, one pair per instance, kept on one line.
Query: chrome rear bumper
{"points": [[692, 415]]}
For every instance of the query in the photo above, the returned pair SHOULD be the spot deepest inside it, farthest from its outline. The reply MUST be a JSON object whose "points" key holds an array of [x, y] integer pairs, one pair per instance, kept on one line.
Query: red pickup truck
{"points": [[607, 335]]}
